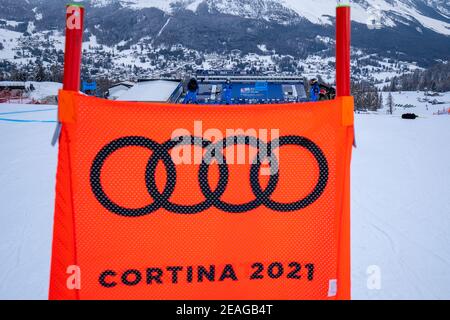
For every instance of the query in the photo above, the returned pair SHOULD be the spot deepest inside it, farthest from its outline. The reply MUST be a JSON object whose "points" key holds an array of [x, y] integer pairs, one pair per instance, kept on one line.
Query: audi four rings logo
{"points": [[161, 152]]}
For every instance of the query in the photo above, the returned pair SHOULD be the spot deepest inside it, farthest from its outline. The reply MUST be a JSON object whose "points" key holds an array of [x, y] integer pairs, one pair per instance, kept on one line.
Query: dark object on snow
{"points": [[409, 116]]}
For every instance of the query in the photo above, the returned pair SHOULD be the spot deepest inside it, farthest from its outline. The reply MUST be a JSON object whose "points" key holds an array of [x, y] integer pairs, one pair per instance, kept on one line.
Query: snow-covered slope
{"points": [[139, 4], [44, 89], [165, 5], [400, 207], [386, 12], [9, 40], [416, 102]]}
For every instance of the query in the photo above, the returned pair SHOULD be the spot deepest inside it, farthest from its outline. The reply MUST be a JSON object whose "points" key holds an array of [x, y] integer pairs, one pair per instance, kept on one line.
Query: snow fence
{"points": [[156, 201]]}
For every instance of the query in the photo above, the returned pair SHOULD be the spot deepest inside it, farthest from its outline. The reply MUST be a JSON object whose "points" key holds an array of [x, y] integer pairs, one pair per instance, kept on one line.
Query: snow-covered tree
{"points": [[40, 74], [390, 104]]}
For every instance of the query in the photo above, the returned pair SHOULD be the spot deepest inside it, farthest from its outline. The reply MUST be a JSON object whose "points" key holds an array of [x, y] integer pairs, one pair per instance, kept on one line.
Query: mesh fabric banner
{"points": [[158, 201]]}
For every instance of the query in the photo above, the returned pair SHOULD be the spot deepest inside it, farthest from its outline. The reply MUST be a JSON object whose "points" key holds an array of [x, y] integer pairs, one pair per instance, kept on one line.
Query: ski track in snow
{"points": [[400, 205], [163, 27], [28, 165]]}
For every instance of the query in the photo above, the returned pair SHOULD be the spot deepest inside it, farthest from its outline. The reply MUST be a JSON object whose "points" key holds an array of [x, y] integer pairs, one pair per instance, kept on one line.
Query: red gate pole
{"points": [[343, 37], [72, 54], [74, 41]]}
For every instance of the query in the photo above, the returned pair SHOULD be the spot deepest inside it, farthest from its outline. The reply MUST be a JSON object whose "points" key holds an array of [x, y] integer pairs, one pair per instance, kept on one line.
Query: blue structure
{"points": [[191, 97], [228, 93], [225, 88], [89, 86]]}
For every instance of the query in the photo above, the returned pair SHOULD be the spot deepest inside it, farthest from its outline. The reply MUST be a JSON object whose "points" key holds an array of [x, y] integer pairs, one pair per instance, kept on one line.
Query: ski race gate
{"points": [[151, 204]]}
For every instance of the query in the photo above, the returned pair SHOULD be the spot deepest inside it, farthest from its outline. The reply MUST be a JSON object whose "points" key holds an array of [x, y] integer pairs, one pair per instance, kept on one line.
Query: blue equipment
{"points": [[191, 97], [88, 86], [315, 92]]}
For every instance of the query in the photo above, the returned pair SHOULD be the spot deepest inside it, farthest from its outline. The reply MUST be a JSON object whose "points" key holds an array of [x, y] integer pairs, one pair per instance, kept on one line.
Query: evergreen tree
{"points": [[40, 74], [390, 104], [435, 78], [55, 74], [18, 74], [366, 96]]}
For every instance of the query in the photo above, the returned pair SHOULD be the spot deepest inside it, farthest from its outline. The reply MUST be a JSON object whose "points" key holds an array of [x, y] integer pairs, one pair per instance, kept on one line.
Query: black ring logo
{"points": [[161, 200]]}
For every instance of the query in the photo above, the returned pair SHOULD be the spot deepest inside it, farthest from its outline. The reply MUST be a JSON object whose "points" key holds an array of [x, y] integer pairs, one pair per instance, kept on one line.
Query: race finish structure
{"points": [[165, 201]]}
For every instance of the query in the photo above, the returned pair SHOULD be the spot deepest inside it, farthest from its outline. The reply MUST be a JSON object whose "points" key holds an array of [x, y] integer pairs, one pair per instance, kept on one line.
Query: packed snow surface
{"points": [[400, 203], [156, 90]]}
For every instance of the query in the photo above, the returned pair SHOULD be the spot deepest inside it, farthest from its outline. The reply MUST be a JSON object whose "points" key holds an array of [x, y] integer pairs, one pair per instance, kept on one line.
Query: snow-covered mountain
{"points": [[392, 26], [432, 14], [400, 30]]}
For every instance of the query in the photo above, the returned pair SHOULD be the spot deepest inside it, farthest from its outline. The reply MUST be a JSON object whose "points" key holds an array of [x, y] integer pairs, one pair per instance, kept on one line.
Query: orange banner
{"points": [[159, 201]]}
